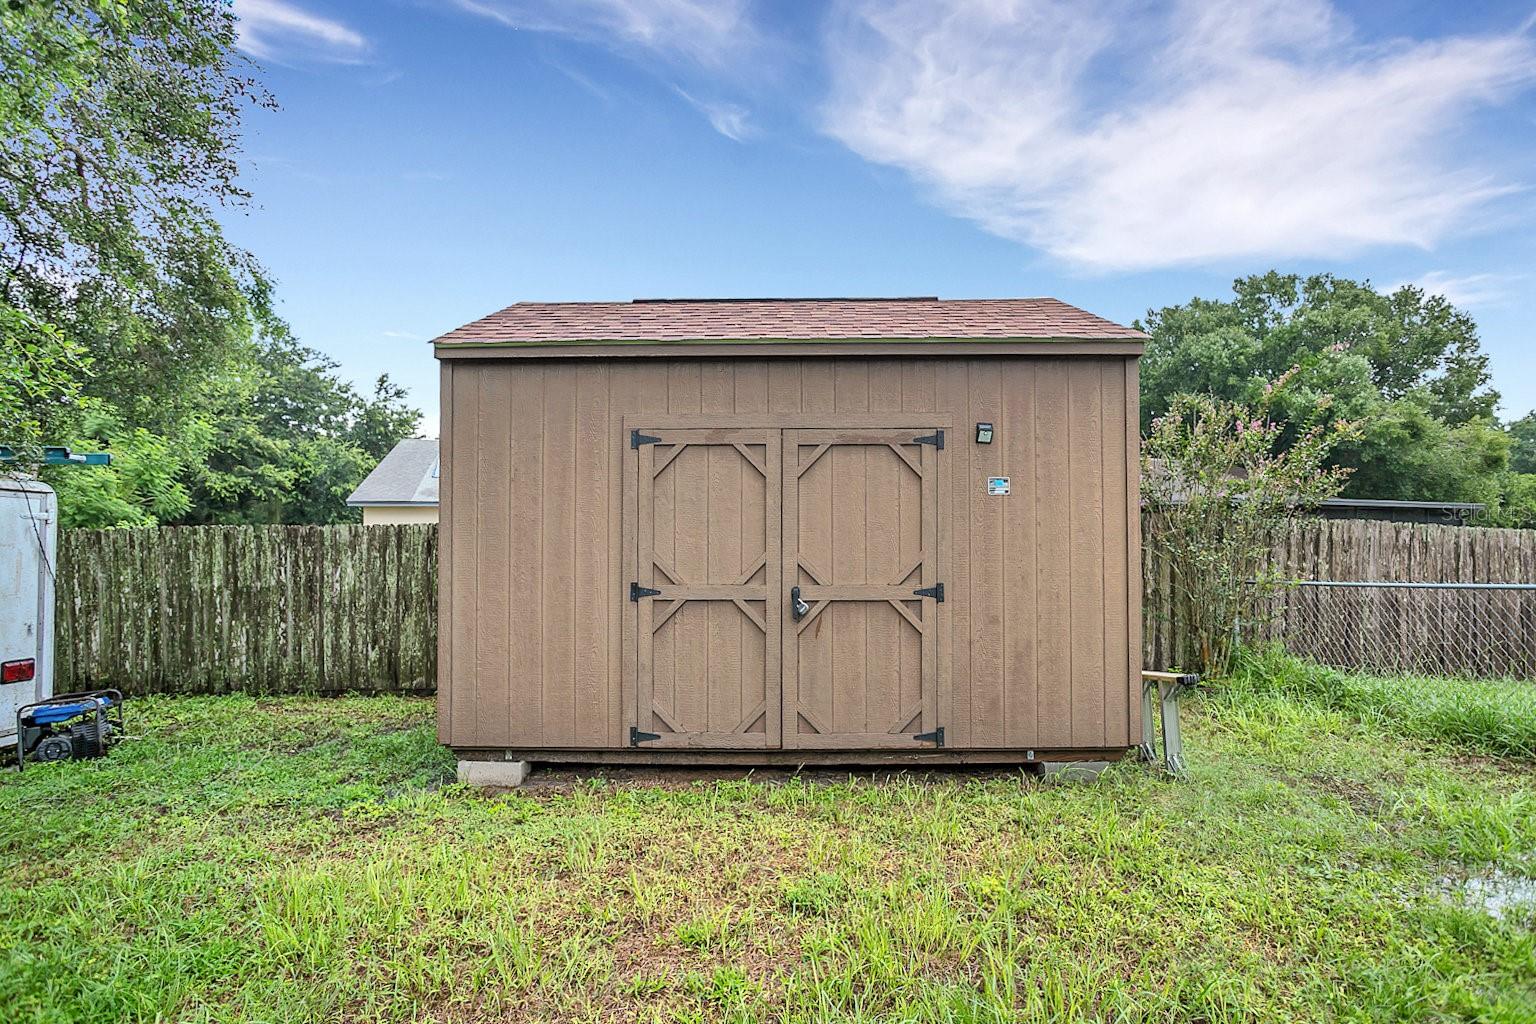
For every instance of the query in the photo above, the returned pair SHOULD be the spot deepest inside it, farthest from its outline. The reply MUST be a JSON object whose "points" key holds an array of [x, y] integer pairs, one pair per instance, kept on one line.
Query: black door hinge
{"points": [[636, 737], [936, 439], [636, 592], [936, 737], [636, 439], [936, 592]]}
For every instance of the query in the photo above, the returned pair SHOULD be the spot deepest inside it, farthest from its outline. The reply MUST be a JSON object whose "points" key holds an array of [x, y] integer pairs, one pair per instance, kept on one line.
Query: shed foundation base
{"points": [[494, 774], [909, 758]]}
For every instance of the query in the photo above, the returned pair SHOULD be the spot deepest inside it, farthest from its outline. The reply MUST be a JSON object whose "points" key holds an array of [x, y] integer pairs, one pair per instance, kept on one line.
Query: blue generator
{"points": [[69, 726]]}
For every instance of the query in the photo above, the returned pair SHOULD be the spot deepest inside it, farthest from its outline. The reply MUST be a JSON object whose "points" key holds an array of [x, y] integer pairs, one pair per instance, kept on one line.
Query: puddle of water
{"points": [[1498, 892]]}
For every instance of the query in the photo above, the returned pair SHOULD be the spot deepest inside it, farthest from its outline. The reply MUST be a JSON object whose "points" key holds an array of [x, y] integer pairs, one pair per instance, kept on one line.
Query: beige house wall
{"points": [[397, 515]]}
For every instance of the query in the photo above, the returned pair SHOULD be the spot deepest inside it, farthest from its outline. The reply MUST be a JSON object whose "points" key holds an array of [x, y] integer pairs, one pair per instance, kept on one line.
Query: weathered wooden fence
{"points": [[285, 609], [1434, 631], [258, 609]]}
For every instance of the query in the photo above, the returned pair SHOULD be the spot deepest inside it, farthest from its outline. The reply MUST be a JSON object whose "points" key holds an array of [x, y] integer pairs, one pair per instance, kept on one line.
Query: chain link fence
{"points": [[1477, 630]]}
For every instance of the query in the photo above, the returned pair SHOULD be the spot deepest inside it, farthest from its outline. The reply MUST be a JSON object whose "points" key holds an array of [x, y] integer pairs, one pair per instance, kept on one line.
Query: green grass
{"points": [[299, 859], [1489, 716]]}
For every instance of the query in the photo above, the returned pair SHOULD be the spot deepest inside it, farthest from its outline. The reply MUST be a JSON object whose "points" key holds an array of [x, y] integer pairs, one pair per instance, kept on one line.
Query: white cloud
{"points": [[1210, 130], [277, 30], [405, 335], [729, 119], [1465, 290], [707, 32]]}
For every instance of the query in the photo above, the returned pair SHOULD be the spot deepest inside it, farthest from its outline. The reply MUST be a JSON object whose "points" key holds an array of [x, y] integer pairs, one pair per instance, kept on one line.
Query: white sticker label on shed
{"points": [[997, 485]]}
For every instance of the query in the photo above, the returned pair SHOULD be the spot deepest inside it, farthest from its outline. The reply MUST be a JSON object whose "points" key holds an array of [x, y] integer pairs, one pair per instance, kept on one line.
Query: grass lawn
{"points": [[305, 859]]}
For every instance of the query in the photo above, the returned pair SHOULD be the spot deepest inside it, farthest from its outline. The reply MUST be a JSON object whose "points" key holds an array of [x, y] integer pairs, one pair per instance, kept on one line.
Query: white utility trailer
{"points": [[29, 529]]}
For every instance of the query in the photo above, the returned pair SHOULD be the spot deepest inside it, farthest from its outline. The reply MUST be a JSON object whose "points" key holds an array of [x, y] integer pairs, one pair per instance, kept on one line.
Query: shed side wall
{"points": [[1041, 636]]}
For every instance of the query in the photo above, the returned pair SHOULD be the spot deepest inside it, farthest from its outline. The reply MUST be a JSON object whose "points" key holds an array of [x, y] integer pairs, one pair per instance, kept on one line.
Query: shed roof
{"points": [[746, 320], [406, 476]]}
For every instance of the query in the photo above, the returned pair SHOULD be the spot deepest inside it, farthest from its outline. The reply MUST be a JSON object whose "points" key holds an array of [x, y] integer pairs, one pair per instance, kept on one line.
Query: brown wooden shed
{"points": [[767, 531]]}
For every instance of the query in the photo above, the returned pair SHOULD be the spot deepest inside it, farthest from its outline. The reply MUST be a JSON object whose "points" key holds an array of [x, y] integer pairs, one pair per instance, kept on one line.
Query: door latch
{"points": [[798, 608]]}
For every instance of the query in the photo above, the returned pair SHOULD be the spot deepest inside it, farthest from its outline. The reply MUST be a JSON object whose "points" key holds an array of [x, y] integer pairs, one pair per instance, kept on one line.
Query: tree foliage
{"points": [[1405, 369], [1522, 444], [292, 440], [141, 328]]}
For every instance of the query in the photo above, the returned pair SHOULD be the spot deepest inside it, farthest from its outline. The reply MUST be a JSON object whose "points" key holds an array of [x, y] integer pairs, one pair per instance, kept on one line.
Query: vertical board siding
{"points": [[249, 609], [1053, 566], [1114, 544], [991, 562], [952, 394], [1088, 580], [448, 427], [594, 722], [463, 596], [493, 590], [524, 525], [558, 595], [1020, 539], [1024, 571]]}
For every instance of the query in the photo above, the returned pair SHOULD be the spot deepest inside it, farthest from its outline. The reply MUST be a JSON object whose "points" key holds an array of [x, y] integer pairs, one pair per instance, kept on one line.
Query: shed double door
{"points": [[779, 572]]}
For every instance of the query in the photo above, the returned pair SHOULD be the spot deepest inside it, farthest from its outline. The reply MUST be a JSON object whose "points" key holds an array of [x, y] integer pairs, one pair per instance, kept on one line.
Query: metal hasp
{"points": [[636, 592], [936, 592], [936, 439], [936, 737], [798, 608], [636, 439], [1169, 686], [636, 737]]}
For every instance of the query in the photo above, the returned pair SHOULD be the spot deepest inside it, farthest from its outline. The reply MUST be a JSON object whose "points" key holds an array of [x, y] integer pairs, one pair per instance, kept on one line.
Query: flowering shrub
{"points": [[1219, 480]]}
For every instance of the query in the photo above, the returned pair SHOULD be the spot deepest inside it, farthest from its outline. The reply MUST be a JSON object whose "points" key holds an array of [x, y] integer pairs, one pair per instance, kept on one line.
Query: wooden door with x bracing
{"points": [[709, 588], [860, 541]]}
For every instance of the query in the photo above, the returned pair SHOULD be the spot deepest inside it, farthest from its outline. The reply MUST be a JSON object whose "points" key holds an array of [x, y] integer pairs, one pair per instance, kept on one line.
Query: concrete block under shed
{"points": [[494, 774]]}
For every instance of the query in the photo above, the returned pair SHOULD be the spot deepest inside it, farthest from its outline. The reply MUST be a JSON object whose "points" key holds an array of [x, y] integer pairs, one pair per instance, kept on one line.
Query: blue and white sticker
{"points": [[997, 485]]}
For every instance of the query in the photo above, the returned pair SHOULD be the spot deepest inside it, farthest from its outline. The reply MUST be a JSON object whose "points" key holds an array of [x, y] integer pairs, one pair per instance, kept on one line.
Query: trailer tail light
{"points": [[19, 671]]}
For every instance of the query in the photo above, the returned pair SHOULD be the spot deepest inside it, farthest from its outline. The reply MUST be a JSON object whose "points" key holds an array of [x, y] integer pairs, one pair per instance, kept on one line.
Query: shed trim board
{"points": [[625, 348], [1034, 653]]}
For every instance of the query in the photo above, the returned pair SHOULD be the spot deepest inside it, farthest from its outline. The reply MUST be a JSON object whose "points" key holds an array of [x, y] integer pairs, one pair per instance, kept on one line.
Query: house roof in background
{"points": [[1393, 503], [406, 476], [833, 319]]}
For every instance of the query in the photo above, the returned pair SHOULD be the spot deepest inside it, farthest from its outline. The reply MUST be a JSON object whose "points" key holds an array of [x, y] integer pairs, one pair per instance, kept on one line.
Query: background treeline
{"points": [[130, 323], [1405, 371]]}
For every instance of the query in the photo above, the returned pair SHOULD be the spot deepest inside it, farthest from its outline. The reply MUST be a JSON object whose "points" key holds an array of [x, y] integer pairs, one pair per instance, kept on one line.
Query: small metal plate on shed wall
{"points": [[997, 485]]}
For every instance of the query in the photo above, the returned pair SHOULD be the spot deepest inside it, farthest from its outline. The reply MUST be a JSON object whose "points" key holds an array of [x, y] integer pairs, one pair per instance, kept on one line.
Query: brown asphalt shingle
{"points": [[795, 319]]}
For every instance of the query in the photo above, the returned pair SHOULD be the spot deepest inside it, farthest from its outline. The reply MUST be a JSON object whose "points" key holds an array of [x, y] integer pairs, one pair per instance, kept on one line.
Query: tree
{"points": [[1517, 502], [41, 376], [1405, 368], [1219, 480], [119, 124], [291, 440], [1522, 449]]}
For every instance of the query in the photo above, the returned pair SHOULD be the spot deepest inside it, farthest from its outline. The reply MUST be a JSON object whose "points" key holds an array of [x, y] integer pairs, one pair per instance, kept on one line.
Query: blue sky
{"points": [[434, 160]]}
